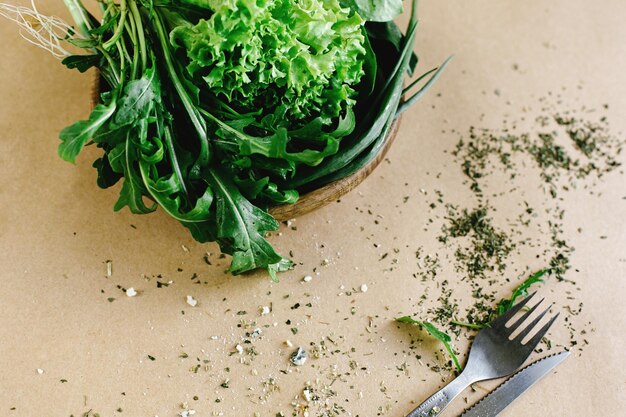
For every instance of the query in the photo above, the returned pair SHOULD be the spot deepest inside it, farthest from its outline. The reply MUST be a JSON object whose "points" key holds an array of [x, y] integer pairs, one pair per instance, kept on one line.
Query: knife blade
{"points": [[500, 398]]}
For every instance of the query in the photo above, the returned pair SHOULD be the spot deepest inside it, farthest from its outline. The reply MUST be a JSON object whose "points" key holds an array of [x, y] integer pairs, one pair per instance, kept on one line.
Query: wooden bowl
{"points": [[321, 196], [334, 190]]}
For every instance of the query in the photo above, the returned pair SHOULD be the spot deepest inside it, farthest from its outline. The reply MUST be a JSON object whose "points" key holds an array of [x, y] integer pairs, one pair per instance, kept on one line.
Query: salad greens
{"points": [[215, 110]]}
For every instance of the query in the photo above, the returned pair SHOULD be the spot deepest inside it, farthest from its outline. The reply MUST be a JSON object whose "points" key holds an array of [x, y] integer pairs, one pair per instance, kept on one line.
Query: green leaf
{"points": [[506, 304], [168, 192], [388, 39], [275, 146], [296, 60], [241, 227], [387, 32], [375, 10], [521, 291], [138, 99], [133, 189], [370, 67], [429, 83], [437, 334], [373, 125], [281, 266], [106, 176], [81, 62], [74, 137]]}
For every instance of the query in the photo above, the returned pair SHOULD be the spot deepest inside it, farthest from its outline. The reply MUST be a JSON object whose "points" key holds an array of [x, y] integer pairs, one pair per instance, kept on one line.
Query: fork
{"points": [[493, 355]]}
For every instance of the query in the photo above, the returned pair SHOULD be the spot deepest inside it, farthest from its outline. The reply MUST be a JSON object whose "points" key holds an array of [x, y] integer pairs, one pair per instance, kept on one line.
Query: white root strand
{"points": [[46, 32]]}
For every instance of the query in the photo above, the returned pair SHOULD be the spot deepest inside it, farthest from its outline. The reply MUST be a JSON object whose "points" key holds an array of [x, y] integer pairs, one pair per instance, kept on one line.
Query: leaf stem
{"points": [[476, 326], [80, 16], [140, 33], [119, 28], [197, 121]]}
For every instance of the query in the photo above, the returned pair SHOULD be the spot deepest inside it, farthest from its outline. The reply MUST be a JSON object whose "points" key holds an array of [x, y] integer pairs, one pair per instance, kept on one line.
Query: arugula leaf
{"points": [[167, 191], [81, 62], [241, 227], [106, 176], [74, 137], [437, 334], [138, 99], [505, 305], [275, 146], [281, 266], [375, 10], [263, 189], [132, 191]]}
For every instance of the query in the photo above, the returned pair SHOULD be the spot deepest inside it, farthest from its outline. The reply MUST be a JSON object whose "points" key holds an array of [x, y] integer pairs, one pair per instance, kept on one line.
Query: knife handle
{"points": [[437, 402]]}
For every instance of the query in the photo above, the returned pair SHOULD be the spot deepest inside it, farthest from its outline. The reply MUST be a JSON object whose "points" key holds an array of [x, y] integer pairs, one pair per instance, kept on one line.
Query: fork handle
{"points": [[434, 405]]}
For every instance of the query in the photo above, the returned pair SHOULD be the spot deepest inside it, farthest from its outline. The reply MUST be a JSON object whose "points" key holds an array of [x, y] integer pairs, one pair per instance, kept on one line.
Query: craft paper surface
{"points": [[71, 340]]}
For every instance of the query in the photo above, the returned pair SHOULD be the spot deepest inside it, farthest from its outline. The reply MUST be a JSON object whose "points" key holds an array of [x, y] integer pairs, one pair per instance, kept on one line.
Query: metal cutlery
{"points": [[500, 398], [492, 355]]}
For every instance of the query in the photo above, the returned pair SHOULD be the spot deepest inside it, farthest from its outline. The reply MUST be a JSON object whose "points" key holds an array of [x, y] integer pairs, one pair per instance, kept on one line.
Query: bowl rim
{"points": [[333, 191]]}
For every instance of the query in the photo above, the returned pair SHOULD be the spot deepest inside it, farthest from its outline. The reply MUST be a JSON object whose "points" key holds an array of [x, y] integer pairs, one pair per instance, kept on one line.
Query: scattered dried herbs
{"points": [[437, 334]]}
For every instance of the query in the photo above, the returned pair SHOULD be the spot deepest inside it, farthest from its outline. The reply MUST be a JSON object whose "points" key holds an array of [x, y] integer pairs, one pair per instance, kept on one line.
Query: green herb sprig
{"points": [[505, 304], [444, 338]]}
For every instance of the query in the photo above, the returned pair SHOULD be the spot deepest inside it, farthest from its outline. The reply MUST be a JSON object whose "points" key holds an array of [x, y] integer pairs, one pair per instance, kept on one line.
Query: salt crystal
{"points": [[192, 301], [307, 394], [299, 357]]}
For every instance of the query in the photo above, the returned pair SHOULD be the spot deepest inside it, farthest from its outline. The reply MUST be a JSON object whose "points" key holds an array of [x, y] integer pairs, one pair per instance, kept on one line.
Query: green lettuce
{"points": [[297, 60]]}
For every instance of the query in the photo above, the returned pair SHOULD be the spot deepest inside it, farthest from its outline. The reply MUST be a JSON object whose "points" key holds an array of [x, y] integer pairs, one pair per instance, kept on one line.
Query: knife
{"points": [[499, 399]]}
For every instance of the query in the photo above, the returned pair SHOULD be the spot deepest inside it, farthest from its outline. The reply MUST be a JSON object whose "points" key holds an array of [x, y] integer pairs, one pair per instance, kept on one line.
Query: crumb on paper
{"points": [[265, 310], [131, 292], [39, 371], [186, 412], [364, 288], [307, 278], [299, 357], [307, 394], [192, 301], [109, 267]]}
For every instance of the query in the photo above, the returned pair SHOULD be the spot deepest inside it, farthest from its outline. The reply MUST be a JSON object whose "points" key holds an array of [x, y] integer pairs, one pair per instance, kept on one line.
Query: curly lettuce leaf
{"points": [[375, 10], [297, 60]]}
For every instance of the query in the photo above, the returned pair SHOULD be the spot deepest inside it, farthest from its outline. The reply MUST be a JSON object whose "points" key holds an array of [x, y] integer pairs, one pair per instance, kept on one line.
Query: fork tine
{"points": [[506, 316], [532, 343], [531, 325], [527, 314]]}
